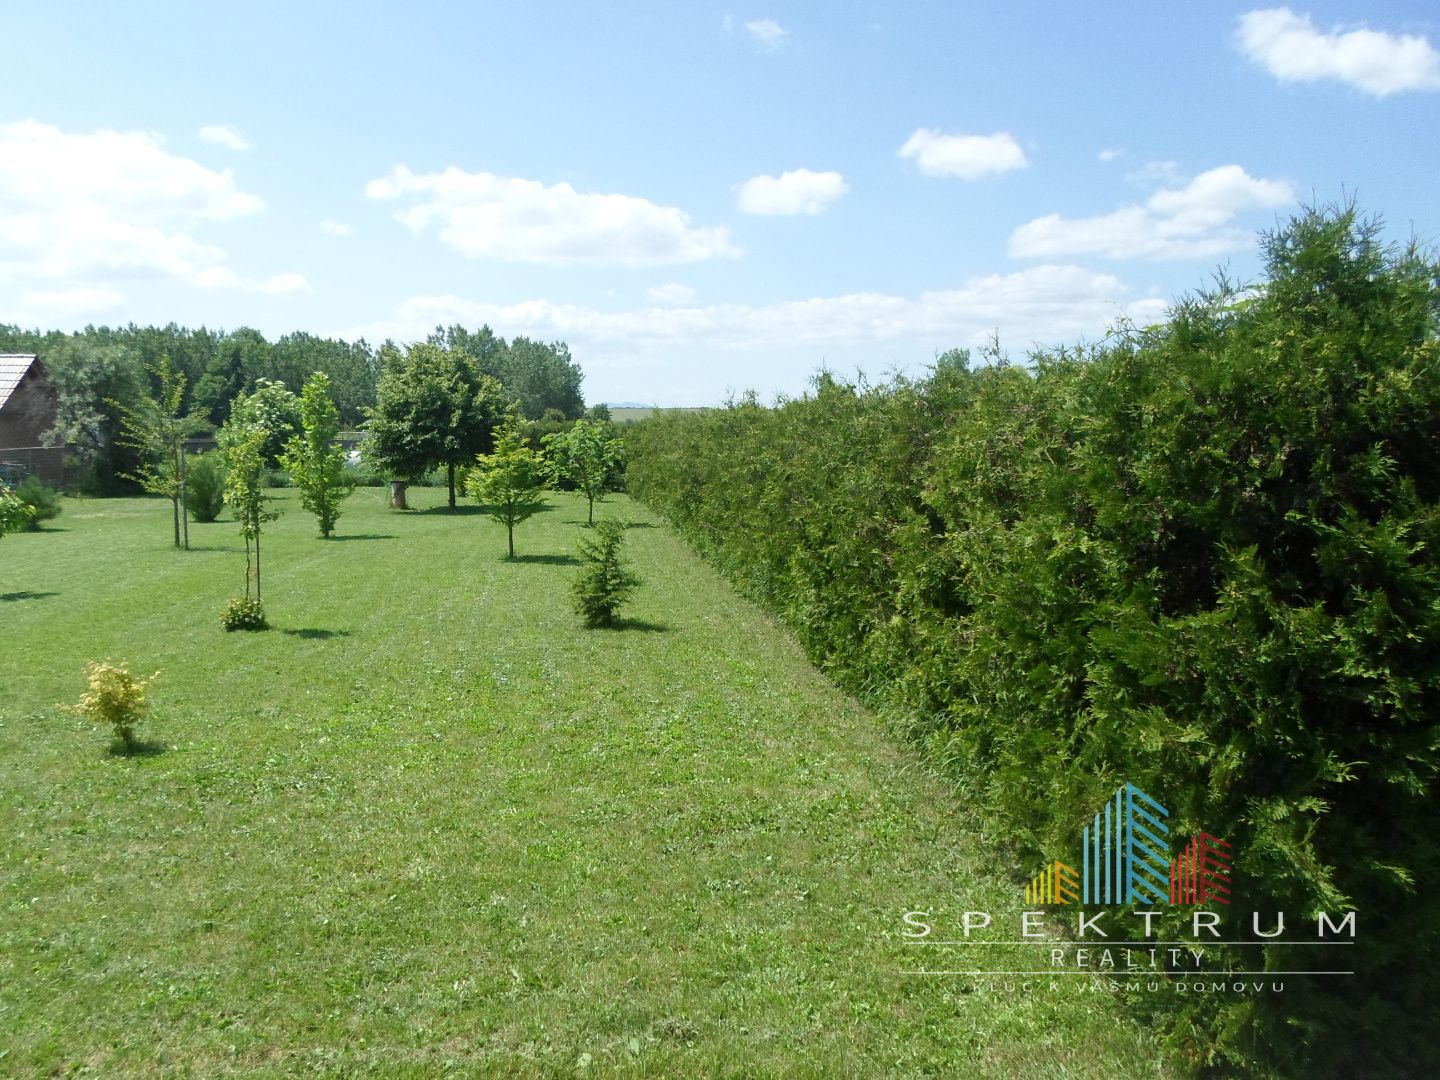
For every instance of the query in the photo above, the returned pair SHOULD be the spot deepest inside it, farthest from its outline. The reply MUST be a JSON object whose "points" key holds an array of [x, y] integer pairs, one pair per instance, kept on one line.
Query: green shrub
{"points": [[604, 582], [44, 503], [205, 486], [1201, 559], [116, 699], [362, 475], [275, 478], [15, 513], [244, 613]]}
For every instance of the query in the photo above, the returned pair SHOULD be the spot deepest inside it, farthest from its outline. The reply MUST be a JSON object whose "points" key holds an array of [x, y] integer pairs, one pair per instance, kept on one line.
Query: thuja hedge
{"points": [[1200, 558]]}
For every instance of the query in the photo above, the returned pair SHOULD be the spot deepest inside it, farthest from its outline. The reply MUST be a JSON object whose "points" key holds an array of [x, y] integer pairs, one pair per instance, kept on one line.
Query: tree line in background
{"points": [[1200, 558], [101, 372]]}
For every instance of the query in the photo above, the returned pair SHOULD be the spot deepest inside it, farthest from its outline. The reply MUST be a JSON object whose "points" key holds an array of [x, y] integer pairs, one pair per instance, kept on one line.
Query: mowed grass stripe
{"points": [[447, 827]]}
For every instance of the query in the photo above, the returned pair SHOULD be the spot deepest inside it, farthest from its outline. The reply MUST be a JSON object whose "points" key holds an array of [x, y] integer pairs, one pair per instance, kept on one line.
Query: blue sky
{"points": [[698, 199]]}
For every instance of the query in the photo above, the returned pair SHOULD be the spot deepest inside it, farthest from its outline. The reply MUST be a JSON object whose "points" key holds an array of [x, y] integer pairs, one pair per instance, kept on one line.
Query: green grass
{"points": [[428, 822]]}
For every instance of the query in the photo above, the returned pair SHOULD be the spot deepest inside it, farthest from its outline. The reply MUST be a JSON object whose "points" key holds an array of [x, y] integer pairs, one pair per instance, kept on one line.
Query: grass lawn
{"points": [[429, 823]]}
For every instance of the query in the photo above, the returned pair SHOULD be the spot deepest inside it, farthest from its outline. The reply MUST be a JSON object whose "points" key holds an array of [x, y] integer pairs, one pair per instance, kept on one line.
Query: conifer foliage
{"points": [[1203, 559], [605, 581]]}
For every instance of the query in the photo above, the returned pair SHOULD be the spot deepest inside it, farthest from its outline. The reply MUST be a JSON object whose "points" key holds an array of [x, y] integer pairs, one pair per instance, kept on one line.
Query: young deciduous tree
{"points": [[313, 459], [509, 483], [156, 429], [589, 455], [244, 452]]}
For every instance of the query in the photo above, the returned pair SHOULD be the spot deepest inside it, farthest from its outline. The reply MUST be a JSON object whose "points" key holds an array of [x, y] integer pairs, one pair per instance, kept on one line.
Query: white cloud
{"points": [[1109, 155], [53, 307], [671, 293], [87, 206], [1039, 304], [220, 277], [1156, 173], [1291, 49], [72, 301], [280, 284], [336, 228], [485, 216], [969, 157], [767, 33], [224, 135], [1189, 222], [797, 191]]}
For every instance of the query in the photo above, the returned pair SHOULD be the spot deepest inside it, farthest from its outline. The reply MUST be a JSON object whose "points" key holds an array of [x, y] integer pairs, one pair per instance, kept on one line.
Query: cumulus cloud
{"points": [[336, 228], [71, 301], [1109, 155], [671, 293], [1039, 304], [798, 191], [96, 205], [224, 135], [221, 277], [767, 33], [1290, 48], [1188, 222], [485, 216], [970, 157]]}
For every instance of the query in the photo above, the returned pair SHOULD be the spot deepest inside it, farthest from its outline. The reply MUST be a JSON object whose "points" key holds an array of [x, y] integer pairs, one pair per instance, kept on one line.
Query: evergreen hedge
{"points": [[1200, 558]]}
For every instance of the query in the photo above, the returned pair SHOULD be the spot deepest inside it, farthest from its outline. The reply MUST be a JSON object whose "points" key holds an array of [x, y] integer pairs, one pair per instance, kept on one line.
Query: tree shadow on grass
{"points": [[26, 595], [140, 748], [366, 536], [628, 524], [459, 511], [310, 633], [547, 560], [639, 625]]}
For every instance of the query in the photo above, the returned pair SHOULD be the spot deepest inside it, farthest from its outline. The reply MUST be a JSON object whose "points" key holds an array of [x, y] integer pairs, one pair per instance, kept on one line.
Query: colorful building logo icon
{"points": [[1125, 858]]}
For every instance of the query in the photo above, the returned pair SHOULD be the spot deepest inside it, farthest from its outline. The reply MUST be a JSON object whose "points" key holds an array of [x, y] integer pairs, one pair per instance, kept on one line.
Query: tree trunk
{"points": [[510, 529], [592, 510], [397, 495], [257, 564], [451, 467], [184, 509], [175, 501]]}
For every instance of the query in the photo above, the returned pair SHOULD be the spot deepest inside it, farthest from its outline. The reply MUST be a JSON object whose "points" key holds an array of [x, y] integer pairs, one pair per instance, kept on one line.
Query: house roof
{"points": [[13, 367]]}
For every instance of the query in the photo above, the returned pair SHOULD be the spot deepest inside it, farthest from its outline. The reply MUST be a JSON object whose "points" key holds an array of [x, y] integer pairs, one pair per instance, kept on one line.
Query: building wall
{"points": [[28, 413]]}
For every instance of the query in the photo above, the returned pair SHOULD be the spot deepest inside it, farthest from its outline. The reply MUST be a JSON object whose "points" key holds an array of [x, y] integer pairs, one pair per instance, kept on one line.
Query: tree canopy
{"points": [[433, 408]]}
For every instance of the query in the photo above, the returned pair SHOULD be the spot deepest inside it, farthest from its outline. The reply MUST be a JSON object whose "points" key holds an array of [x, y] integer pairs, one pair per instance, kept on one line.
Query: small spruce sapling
{"points": [[605, 581]]}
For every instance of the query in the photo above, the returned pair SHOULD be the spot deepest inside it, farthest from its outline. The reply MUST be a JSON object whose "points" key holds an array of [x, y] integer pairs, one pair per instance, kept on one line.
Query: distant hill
{"points": [[630, 412]]}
